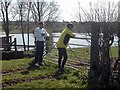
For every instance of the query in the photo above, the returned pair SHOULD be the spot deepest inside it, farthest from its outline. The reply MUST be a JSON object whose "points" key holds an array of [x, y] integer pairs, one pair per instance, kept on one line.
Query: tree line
{"points": [[26, 11], [100, 16]]}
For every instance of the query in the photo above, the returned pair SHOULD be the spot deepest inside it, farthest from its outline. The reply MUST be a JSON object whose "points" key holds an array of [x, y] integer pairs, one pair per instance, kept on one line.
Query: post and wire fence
{"points": [[78, 53]]}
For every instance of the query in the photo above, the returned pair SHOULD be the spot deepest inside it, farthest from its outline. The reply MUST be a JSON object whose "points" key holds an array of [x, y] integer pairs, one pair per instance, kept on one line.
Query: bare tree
{"points": [[118, 34], [28, 20], [21, 10], [53, 12], [45, 11], [4, 13], [119, 29], [101, 17]]}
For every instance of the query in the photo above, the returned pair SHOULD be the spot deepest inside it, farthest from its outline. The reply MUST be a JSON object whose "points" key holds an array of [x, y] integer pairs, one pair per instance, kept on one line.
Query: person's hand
{"points": [[35, 42], [47, 38], [42, 34]]}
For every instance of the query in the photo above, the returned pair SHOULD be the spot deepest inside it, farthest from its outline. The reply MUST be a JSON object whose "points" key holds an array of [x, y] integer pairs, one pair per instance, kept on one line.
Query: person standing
{"points": [[40, 35], [62, 45]]}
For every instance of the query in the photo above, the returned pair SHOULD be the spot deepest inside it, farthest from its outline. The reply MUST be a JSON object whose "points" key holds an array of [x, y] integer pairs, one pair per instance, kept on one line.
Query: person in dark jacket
{"points": [[62, 45]]}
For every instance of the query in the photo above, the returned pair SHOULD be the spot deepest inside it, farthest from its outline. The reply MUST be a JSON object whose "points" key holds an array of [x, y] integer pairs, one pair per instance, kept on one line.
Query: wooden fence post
{"points": [[119, 72], [15, 45], [49, 26]]}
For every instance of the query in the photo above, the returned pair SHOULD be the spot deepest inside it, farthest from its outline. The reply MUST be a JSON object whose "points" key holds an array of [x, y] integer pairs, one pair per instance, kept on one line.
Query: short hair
{"points": [[40, 22], [70, 25]]}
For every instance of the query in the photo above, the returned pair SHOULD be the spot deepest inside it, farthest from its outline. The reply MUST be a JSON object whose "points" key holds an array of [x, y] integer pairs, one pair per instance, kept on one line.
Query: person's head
{"points": [[70, 25], [41, 24]]}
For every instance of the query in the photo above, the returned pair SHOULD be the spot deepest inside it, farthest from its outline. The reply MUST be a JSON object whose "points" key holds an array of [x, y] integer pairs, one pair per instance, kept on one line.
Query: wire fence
{"points": [[77, 57]]}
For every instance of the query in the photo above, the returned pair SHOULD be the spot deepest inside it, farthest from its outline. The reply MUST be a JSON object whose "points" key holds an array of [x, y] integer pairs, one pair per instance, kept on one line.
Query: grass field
{"points": [[18, 73]]}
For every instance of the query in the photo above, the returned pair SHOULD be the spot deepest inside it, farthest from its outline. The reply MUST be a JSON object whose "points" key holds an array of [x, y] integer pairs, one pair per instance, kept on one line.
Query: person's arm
{"points": [[47, 36], [71, 34]]}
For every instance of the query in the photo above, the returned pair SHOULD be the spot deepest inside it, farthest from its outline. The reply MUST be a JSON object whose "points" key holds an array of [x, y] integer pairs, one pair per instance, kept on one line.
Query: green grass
{"points": [[15, 63], [114, 51], [82, 53], [49, 83], [68, 79], [65, 80], [30, 73]]}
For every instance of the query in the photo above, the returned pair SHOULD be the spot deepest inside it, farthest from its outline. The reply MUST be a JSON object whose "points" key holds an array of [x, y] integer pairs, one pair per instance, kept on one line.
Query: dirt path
{"points": [[21, 80], [7, 72]]}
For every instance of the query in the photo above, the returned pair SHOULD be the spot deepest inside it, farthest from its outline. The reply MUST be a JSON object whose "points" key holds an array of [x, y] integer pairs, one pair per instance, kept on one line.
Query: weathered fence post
{"points": [[119, 72], [15, 45], [49, 26]]}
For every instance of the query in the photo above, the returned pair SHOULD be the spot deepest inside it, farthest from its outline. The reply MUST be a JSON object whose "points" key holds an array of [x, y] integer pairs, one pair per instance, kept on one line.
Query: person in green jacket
{"points": [[62, 45]]}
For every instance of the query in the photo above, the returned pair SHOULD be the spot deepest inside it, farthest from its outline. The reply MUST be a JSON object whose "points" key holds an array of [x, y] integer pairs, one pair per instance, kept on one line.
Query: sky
{"points": [[68, 8]]}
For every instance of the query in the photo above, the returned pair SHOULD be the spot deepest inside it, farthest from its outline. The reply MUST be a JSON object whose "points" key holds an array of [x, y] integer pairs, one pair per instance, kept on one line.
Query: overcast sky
{"points": [[69, 7]]}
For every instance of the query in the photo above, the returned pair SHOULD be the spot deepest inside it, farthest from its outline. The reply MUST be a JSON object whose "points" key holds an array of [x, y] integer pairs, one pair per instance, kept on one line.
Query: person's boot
{"points": [[42, 64], [62, 68], [37, 64]]}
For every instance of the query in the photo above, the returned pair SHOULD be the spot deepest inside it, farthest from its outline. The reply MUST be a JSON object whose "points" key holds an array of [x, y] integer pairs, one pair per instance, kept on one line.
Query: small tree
{"points": [[100, 16], [28, 20], [119, 29], [4, 14], [21, 11]]}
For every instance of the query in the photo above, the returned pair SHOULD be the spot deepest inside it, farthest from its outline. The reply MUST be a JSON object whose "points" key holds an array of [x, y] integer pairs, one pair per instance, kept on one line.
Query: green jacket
{"points": [[64, 38]]}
